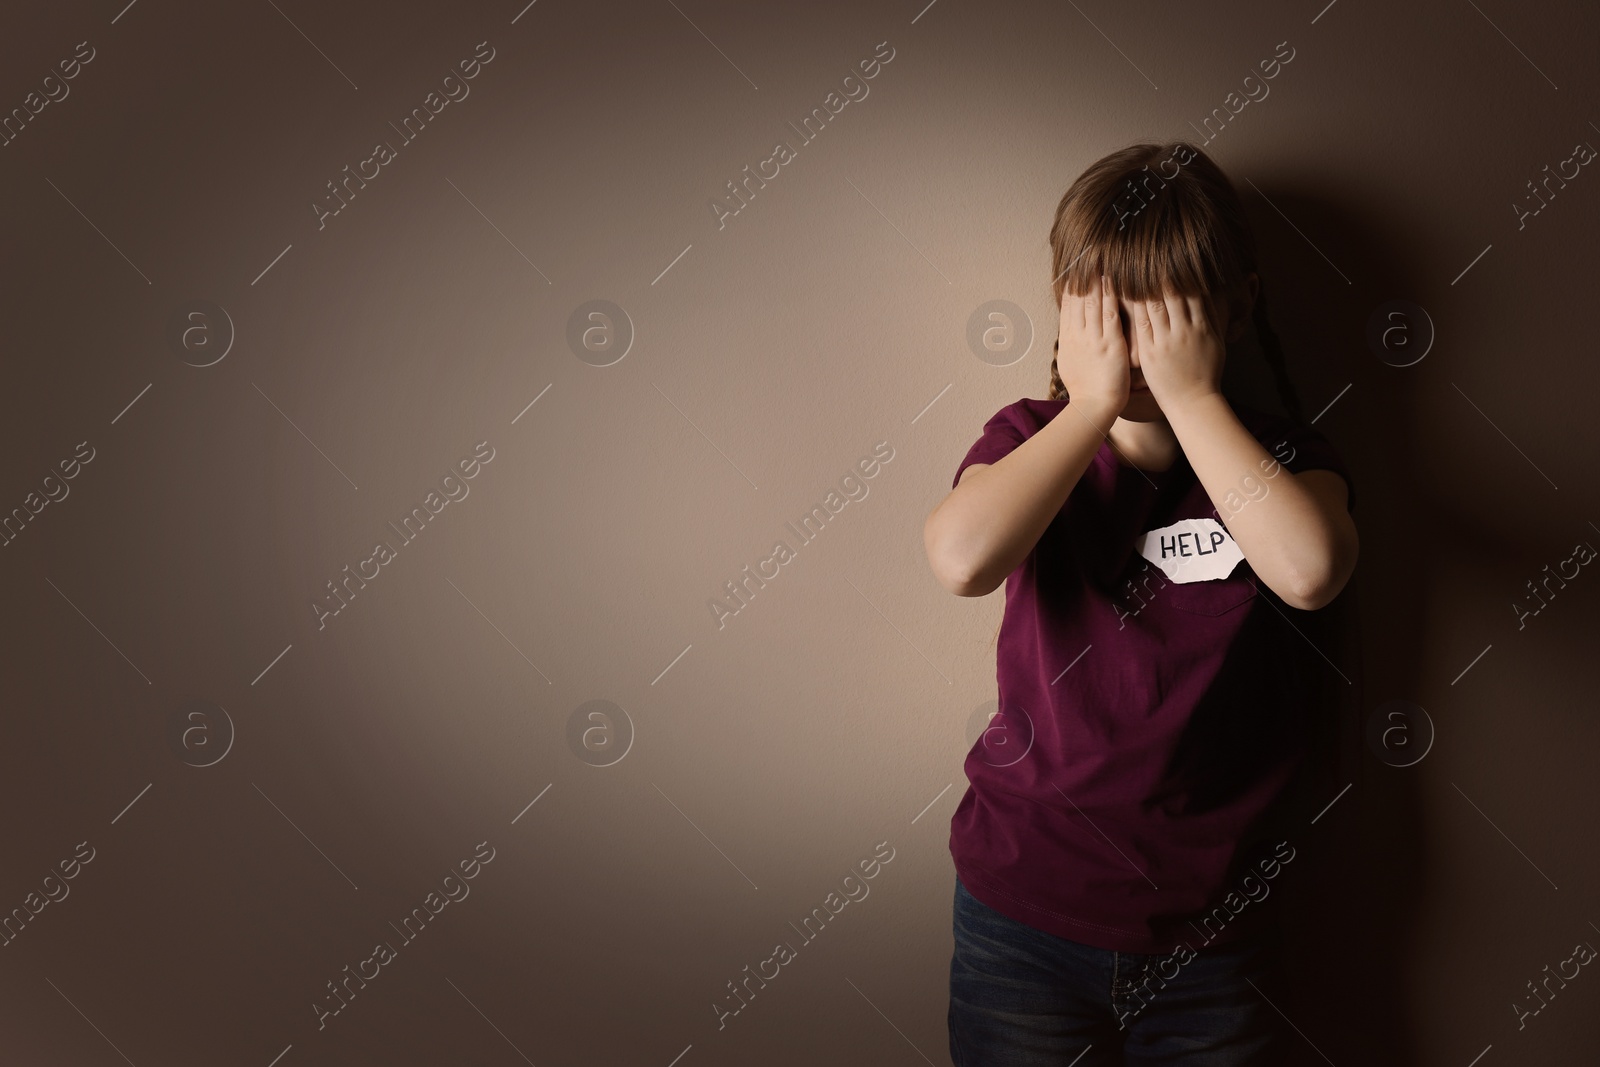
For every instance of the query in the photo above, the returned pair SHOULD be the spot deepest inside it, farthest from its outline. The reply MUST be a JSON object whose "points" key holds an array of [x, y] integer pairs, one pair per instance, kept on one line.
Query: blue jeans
{"points": [[1020, 997]]}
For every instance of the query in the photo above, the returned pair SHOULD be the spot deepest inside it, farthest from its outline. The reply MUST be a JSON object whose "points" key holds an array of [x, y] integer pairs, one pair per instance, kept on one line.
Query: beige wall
{"points": [[768, 756]]}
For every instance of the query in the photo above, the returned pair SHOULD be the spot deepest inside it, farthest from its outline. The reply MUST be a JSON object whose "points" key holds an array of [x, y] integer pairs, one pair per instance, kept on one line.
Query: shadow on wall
{"points": [[1353, 895]]}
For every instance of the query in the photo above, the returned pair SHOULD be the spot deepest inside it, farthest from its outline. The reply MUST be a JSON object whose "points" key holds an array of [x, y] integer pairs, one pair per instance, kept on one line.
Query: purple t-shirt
{"points": [[1149, 714]]}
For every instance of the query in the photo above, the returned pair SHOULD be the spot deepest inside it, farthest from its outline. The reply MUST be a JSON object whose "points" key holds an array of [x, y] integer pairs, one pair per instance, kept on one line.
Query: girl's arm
{"points": [[991, 520], [1298, 536], [994, 516]]}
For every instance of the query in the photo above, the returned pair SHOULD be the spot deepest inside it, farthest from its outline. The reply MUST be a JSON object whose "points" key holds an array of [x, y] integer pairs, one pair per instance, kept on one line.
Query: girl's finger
{"points": [[1200, 312], [1160, 312], [1110, 316], [1144, 311], [1194, 310], [1071, 313]]}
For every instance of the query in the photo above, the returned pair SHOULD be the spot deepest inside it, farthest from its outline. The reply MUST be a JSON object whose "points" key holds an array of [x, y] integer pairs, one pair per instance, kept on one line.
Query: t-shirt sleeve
{"points": [[1001, 434], [1302, 448]]}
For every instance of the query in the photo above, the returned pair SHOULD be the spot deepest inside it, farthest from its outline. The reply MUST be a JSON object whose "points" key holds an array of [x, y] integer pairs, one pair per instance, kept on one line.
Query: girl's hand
{"points": [[1179, 353], [1093, 356]]}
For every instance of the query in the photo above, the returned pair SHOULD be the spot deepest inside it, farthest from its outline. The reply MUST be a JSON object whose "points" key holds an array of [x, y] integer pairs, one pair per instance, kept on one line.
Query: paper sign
{"points": [[1191, 550]]}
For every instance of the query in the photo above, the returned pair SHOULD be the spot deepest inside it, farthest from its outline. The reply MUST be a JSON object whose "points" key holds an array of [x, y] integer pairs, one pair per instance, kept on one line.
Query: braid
{"points": [[1058, 389], [1273, 350]]}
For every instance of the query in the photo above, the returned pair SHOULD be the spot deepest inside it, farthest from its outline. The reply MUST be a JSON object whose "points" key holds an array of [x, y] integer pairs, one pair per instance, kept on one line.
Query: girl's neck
{"points": [[1150, 446]]}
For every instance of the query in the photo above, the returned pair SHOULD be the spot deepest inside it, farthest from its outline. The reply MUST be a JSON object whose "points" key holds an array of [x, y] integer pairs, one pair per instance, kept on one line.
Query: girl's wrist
{"points": [[1101, 412], [1195, 401], [1189, 415]]}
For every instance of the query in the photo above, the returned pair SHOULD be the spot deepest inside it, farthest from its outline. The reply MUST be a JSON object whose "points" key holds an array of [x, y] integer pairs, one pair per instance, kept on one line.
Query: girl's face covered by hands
{"points": [[1177, 344]]}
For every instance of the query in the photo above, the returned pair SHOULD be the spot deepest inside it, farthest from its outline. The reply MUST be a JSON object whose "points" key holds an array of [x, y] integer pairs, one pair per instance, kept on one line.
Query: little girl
{"points": [[1160, 546]]}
